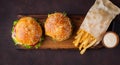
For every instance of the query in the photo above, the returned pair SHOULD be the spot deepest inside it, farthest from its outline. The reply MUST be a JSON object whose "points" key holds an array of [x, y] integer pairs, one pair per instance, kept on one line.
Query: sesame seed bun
{"points": [[27, 31], [58, 26]]}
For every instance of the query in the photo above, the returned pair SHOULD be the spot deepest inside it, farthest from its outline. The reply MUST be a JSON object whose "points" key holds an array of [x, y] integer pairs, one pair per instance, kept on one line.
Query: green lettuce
{"points": [[27, 46], [64, 13], [39, 43], [15, 41], [14, 23]]}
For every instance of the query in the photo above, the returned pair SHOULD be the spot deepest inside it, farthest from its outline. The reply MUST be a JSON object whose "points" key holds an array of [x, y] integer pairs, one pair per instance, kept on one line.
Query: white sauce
{"points": [[110, 40]]}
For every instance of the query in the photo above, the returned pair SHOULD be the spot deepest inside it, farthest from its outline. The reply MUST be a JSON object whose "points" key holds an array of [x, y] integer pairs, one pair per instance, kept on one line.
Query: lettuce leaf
{"points": [[39, 43], [12, 30], [14, 23], [42, 39], [27, 46], [15, 41], [64, 13]]}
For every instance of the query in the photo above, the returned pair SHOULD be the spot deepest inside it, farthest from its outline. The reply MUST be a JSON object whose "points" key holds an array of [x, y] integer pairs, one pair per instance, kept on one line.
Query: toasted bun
{"points": [[28, 31], [110, 40], [58, 26]]}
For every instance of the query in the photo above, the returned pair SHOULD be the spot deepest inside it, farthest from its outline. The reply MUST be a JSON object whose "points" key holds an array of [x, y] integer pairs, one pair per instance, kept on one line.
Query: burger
{"points": [[58, 26], [27, 32]]}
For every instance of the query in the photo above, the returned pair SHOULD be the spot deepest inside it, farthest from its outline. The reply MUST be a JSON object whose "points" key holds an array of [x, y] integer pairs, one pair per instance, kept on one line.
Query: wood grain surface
{"points": [[48, 43]]}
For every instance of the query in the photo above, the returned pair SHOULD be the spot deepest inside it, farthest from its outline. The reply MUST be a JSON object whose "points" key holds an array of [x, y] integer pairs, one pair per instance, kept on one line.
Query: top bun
{"points": [[58, 26], [28, 31]]}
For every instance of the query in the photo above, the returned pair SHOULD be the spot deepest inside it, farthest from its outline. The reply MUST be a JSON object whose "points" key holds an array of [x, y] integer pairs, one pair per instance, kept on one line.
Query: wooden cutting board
{"points": [[48, 43]]}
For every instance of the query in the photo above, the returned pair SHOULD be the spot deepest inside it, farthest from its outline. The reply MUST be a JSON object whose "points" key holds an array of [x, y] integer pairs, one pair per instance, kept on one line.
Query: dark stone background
{"points": [[9, 9]]}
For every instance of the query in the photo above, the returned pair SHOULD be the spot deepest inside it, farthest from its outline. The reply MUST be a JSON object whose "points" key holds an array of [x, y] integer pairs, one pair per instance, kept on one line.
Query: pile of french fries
{"points": [[84, 40]]}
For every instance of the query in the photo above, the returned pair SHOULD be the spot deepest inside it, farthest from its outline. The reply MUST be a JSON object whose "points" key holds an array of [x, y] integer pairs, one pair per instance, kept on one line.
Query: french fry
{"points": [[84, 37], [80, 34], [88, 40], [79, 31], [76, 42], [92, 43], [84, 40], [81, 46]]}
